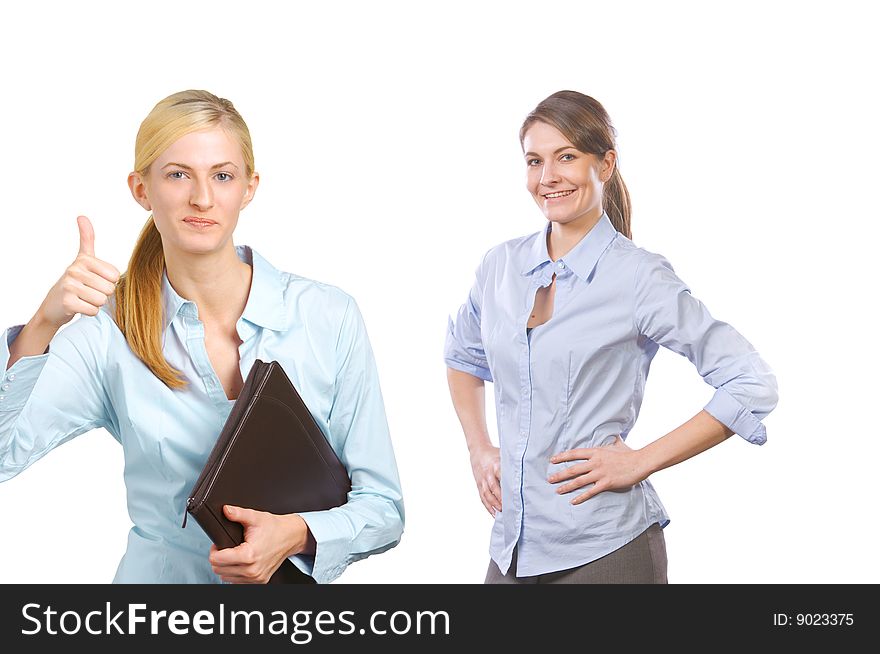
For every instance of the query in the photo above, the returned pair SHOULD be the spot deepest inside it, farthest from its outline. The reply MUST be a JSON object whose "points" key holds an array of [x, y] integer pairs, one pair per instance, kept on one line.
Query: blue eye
{"points": [[533, 162], [173, 174], [571, 157]]}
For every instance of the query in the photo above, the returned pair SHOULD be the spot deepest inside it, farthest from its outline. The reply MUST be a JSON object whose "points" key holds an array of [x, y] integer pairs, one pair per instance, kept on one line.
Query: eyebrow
{"points": [[557, 151], [214, 167]]}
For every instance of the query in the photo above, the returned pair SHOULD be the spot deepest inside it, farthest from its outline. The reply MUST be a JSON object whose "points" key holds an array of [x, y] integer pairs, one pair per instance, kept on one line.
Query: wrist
{"points": [[298, 535], [646, 463], [478, 443], [42, 324]]}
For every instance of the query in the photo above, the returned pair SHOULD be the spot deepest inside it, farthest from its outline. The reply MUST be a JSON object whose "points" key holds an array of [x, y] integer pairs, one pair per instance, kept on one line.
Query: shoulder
{"points": [[513, 249], [319, 307], [304, 291], [508, 256], [98, 326], [88, 336], [304, 299], [640, 261], [650, 272]]}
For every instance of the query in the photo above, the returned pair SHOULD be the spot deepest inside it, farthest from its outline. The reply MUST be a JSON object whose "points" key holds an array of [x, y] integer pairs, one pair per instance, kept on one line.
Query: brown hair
{"points": [[139, 306], [585, 123]]}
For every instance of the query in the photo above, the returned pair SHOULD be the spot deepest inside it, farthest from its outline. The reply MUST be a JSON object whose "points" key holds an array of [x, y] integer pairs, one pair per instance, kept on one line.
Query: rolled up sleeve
{"points": [[464, 345], [667, 313]]}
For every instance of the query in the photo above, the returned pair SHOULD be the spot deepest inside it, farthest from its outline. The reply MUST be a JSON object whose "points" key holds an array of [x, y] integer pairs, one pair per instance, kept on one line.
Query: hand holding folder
{"points": [[271, 456]]}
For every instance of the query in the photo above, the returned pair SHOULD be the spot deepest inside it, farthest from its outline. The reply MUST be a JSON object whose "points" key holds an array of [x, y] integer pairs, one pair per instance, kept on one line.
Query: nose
{"points": [[201, 195], [549, 174]]}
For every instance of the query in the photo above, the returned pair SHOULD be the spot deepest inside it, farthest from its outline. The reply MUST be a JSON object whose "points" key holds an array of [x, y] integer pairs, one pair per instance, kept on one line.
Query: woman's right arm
{"points": [[469, 399], [32, 340], [48, 397], [467, 370]]}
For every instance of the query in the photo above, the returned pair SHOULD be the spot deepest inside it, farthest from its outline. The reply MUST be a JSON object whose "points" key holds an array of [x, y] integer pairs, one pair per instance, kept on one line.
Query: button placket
{"points": [[195, 340], [198, 352], [525, 378]]}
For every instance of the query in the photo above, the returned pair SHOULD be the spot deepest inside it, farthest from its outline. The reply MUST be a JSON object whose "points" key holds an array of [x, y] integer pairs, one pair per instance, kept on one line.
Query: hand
{"points": [[85, 285], [613, 467], [486, 466], [268, 540]]}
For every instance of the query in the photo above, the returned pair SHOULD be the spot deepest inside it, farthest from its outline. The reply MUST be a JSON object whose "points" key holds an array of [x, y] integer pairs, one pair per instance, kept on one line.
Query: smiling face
{"points": [[566, 183], [196, 189]]}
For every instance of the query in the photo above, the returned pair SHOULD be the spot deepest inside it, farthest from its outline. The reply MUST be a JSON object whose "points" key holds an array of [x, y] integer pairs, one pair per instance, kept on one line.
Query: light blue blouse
{"points": [[579, 379], [90, 378]]}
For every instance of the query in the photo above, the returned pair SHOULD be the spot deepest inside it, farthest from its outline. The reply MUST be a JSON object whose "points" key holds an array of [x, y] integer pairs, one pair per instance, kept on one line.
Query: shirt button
{"points": [[11, 377], [5, 387], [559, 264], [2, 397]]}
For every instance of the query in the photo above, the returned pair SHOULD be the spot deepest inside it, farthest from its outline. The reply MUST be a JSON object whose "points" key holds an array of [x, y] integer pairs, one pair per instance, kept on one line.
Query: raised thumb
{"points": [[86, 236]]}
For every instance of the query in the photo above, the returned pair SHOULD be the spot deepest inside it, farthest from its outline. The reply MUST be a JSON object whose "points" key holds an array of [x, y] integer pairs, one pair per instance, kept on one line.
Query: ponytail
{"points": [[139, 305], [616, 202]]}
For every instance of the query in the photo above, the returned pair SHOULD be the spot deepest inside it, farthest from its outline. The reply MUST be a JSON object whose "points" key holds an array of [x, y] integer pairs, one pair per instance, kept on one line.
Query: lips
{"points": [[199, 222], [557, 194]]}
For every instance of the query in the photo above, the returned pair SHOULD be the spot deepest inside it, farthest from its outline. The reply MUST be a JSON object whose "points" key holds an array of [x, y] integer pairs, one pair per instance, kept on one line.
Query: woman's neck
{"points": [[564, 236], [218, 283]]}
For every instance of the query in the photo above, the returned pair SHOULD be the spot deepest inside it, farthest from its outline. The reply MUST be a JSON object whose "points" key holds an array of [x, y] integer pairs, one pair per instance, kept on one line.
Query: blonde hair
{"points": [[585, 123], [139, 307]]}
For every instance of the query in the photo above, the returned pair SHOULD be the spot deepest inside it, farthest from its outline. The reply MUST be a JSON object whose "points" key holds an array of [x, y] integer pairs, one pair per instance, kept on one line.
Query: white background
{"points": [[386, 138]]}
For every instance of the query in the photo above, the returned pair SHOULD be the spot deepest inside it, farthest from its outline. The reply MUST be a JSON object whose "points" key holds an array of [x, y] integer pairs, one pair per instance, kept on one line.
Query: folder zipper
{"points": [[189, 502]]}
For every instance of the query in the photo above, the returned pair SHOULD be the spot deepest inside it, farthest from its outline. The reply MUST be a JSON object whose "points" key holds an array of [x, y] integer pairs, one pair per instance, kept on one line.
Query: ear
{"points": [[606, 166], [250, 190], [139, 190]]}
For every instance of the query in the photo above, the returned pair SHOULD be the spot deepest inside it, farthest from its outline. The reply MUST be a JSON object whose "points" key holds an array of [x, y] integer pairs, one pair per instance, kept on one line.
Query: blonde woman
{"points": [[159, 354]]}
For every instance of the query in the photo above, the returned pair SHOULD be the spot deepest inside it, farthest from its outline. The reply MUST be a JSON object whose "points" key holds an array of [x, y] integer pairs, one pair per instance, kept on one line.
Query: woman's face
{"points": [[565, 182], [196, 189]]}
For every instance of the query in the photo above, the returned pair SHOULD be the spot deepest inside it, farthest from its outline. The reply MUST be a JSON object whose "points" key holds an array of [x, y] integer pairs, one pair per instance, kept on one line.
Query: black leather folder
{"points": [[270, 456]]}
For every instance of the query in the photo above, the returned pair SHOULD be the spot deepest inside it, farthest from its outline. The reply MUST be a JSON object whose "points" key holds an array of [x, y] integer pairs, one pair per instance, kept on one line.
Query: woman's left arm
{"points": [[323, 543], [745, 387], [372, 520]]}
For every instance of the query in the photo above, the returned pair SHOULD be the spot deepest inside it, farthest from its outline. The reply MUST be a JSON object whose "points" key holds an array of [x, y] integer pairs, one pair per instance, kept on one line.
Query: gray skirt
{"points": [[641, 561]]}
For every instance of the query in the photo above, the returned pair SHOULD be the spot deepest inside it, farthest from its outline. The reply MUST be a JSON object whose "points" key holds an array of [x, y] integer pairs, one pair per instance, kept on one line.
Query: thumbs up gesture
{"points": [[85, 285]]}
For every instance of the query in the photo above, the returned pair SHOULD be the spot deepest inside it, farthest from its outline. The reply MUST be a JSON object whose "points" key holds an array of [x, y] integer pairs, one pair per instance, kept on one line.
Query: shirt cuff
{"points": [[457, 356], [330, 530], [17, 383], [470, 369], [725, 408]]}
